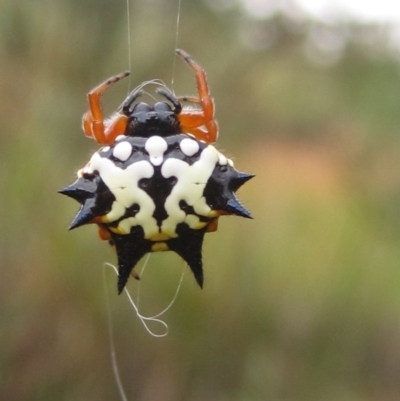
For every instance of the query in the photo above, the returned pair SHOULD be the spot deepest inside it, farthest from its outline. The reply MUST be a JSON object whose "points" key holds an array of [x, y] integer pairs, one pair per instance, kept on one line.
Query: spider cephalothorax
{"points": [[147, 120], [158, 184]]}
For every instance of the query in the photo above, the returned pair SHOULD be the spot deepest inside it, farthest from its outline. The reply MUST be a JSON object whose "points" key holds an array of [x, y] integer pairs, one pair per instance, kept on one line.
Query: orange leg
{"points": [[193, 119], [104, 234], [192, 122], [94, 126], [213, 225], [190, 99]]}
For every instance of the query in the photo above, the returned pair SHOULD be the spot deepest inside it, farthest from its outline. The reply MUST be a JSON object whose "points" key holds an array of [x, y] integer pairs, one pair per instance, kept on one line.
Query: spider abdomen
{"points": [[156, 194]]}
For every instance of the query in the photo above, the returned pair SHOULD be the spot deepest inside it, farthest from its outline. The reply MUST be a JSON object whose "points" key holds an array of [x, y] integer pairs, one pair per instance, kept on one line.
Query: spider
{"points": [[157, 184], [200, 123]]}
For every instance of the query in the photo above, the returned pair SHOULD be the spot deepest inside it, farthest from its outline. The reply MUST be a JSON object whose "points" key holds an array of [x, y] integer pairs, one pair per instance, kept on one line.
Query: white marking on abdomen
{"points": [[189, 187], [189, 147], [123, 183], [156, 146], [222, 159], [122, 151]]}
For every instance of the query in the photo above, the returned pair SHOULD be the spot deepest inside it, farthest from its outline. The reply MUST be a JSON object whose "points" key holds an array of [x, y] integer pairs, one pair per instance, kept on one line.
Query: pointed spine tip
{"points": [[245, 176], [78, 194], [200, 281], [65, 191], [239, 180], [83, 217], [121, 285], [233, 206]]}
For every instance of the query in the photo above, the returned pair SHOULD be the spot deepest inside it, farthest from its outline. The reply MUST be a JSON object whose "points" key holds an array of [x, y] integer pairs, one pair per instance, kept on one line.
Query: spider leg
{"points": [[192, 122], [190, 99], [205, 100], [93, 123], [212, 225], [104, 234]]}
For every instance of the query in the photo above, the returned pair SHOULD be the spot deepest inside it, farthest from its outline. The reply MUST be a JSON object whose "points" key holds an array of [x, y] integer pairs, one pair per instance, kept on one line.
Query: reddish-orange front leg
{"points": [[93, 123], [193, 121]]}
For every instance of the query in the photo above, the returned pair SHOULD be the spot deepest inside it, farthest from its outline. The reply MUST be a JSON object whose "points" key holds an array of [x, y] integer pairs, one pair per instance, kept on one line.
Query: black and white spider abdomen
{"points": [[157, 194]]}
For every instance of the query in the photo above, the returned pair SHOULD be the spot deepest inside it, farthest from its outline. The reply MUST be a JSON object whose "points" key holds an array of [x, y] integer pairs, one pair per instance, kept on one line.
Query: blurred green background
{"points": [[301, 303]]}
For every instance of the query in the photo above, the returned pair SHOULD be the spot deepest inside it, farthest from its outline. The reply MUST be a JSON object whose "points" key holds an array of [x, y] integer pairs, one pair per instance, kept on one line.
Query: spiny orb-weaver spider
{"points": [[158, 184]]}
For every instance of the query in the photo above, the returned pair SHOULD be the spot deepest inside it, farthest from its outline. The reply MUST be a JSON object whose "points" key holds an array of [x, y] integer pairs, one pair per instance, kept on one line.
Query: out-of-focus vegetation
{"points": [[302, 303]]}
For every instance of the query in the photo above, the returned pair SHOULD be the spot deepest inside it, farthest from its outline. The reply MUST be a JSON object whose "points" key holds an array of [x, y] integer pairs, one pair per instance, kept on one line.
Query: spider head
{"points": [[147, 120]]}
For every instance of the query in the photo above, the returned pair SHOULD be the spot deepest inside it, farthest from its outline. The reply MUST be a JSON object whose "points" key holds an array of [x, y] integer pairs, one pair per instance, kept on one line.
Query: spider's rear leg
{"points": [[93, 120]]}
